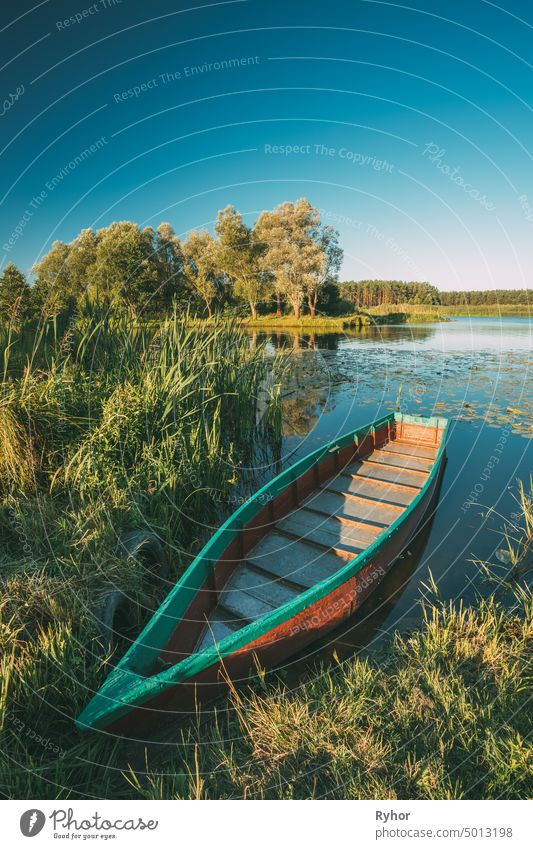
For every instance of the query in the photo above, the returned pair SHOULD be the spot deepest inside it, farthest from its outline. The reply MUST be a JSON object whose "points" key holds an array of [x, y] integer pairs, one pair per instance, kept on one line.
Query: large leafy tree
{"points": [[124, 272], [170, 260], [15, 296], [239, 257], [325, 269], [81, 264], [53, 289], [202, 270], [291, 252]]}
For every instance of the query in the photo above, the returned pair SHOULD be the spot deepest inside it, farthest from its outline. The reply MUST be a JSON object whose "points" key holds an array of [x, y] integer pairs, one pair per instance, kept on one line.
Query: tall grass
{"points": [[103, 427]]}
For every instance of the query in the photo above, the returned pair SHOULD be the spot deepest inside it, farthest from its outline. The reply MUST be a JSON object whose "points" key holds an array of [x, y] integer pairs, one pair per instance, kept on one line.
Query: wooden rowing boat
{"points": [[289, 565]]}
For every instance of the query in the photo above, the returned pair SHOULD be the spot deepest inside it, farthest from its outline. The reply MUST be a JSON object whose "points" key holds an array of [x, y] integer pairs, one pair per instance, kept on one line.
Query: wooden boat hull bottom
{"points": [[279, 644]]}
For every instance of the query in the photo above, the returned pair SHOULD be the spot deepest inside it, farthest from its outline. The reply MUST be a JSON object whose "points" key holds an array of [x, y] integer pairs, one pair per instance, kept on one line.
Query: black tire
{"points": [[114, 606], [115, 609], [142, 544]]}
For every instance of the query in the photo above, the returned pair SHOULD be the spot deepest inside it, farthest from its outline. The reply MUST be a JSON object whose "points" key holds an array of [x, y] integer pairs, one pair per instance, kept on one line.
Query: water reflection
{"points": [[292, 340]]}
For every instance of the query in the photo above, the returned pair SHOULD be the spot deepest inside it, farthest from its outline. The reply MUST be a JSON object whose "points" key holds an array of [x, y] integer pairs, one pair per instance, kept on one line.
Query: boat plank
{"points": [[245, 605], [329, 531], [380, 490], [353, 508], [294, 560], [387, 473], [262, 586], [220, 624], [398, 447], [403, 460]]}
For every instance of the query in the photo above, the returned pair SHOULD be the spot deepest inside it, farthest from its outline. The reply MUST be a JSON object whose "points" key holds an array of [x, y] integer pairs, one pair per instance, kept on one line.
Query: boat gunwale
{"points": [[142, 687]]}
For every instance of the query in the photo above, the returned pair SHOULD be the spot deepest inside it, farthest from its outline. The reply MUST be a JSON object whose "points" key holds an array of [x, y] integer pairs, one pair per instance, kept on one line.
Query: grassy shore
{"points": [[331, 323], [111, 427], [318, 323], [518, 310], [418, 312], [406, 314], [271, 322]]}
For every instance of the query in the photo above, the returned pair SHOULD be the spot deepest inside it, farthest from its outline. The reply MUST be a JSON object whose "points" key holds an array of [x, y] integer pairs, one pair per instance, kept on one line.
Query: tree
{"points": [[168, 254], [326, 267], [80, 264], [373, 293], [15, 296], [124, 271], [201, 268], [53, 292], [239, 257], [291, 251]]}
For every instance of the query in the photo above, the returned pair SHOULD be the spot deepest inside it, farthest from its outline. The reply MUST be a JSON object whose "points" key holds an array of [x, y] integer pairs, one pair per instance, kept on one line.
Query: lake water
{"points": [[477, 371]]}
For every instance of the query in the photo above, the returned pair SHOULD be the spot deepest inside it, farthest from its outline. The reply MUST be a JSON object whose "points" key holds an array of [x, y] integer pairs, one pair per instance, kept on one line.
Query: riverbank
{"points": [[406, 314], [329, 323], [418, 312], [442, 713], [320, 323], [484, 310]]}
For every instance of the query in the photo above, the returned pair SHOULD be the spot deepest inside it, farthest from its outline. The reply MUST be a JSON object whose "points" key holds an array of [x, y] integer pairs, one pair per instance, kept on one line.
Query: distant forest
{"points": [[363, 294], [488, 296]]}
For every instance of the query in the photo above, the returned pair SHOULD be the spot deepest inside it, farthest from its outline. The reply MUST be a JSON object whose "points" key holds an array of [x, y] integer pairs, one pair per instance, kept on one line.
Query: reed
{"points": [[104, 426]]}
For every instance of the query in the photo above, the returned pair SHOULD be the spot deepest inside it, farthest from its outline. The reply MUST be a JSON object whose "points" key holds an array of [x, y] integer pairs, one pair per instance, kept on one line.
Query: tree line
{"points": [[363, 294], [287, 258], [519, 297], [376, 293]]}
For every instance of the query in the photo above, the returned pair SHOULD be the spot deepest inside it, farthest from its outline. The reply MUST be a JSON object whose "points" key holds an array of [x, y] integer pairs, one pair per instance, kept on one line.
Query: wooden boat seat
{"points": [[294, 560], [371, 468], [404, 461], [409, 450], [248, 594], [329, 531], [334, 524], [353, 508], [380, 491]]}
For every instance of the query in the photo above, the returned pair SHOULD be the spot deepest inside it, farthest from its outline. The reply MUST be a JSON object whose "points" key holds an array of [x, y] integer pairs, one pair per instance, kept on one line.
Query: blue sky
{"points": [[409, 126]]}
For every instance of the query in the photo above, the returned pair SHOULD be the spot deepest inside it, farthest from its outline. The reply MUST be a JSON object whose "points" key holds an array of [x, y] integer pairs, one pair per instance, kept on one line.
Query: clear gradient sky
{"points": [[409, 126]]}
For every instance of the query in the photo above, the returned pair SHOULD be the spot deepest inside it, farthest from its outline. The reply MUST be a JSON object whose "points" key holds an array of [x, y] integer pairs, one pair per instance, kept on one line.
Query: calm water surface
{"points": [[476, 371]]}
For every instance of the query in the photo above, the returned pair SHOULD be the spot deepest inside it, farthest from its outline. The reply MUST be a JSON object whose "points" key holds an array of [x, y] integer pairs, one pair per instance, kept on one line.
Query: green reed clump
{"points": [[17, 456], [103, 427], [132, 414]]}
